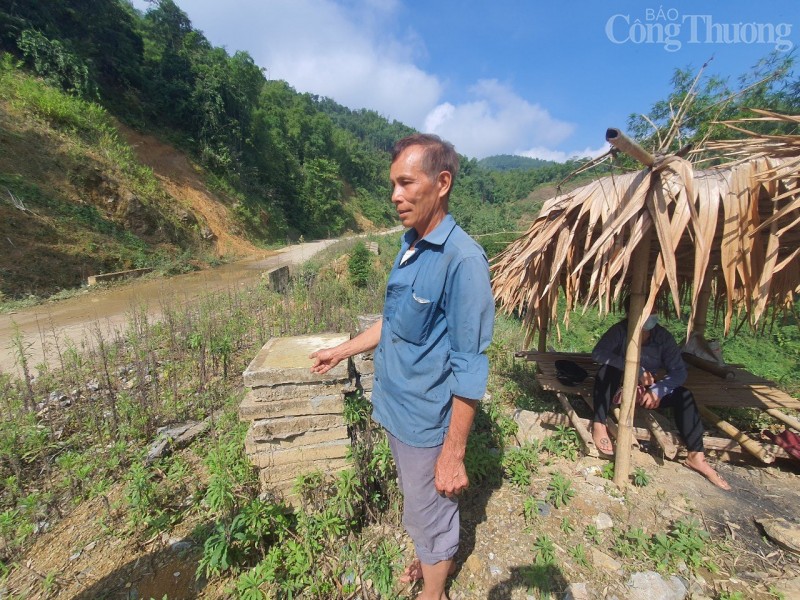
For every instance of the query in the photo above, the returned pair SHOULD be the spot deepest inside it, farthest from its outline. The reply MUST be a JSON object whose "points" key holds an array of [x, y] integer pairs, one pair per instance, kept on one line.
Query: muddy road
{"points": [[106, 310]]}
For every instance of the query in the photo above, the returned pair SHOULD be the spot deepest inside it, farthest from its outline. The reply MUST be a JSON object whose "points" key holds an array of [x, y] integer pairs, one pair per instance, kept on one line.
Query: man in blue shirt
{"points": [[430, 365], [659, 353]]}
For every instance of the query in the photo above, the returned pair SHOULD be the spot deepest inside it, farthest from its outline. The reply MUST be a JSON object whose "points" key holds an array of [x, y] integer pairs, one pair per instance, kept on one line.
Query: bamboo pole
{"points": [[623, 143], [542, 347], [612, 429], [721, 371], [630, 378], [784, 418], [584, 434], [746, 442]]}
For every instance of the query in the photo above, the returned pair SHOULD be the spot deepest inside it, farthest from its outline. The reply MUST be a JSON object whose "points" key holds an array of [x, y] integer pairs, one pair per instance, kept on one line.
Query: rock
{"points": [[543, 508], [474, 564], [782, 532], [603, 521], [603, 561], [179, 545], [790, 588], [577, 591], [57, 397], [649, 585]]}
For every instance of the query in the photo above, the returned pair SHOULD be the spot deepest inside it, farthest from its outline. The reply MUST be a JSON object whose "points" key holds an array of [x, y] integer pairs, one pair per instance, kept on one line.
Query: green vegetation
{"points": [[57, 450], [559, 490]]}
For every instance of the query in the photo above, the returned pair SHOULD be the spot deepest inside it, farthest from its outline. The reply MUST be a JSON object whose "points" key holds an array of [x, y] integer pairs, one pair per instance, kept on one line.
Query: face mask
{"points": [[650, 322]]}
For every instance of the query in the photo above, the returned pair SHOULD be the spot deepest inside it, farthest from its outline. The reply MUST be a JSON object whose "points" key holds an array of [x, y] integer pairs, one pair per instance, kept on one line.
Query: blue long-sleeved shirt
{"points": [[437, 324], [660, 352]]}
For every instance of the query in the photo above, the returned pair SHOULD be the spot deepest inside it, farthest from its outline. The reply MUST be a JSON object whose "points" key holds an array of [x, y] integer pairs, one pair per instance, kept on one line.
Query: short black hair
{"points": [[439, 155]]}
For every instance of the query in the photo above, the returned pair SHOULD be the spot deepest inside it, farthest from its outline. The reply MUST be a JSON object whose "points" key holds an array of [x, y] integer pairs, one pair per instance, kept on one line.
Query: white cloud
{"points": [[560, 156], [497, 121], [352, 51], [335, 49]]}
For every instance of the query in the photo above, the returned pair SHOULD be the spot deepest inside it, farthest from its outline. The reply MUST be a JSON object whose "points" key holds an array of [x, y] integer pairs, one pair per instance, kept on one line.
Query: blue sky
{"points": [[541, 79]]}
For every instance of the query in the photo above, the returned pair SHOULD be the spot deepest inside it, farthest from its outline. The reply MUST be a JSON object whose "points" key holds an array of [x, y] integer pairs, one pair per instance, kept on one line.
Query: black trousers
{"points": [[681, 401]]}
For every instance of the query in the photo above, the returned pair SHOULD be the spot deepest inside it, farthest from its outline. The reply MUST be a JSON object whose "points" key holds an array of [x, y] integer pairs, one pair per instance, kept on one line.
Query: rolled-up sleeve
{"points": [[469, 311]]}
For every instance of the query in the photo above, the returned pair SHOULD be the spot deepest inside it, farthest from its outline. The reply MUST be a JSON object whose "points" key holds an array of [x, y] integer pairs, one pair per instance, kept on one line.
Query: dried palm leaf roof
{"points": [[737, 222]]}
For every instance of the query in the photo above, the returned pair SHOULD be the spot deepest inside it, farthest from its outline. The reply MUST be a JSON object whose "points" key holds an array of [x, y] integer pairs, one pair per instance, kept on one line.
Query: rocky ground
{"points": [[84, 556]]}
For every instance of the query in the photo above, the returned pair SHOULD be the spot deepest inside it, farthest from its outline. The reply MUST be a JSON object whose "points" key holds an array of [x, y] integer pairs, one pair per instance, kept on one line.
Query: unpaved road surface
{"points": [[106, 311]]}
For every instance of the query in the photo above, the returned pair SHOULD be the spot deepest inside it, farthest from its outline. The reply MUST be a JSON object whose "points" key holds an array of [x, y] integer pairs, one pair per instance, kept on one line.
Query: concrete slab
{"points": [[288, 391], [286, 474], [265, 430], [301, 454], [330, 404], [253, 445], [285, 360]]}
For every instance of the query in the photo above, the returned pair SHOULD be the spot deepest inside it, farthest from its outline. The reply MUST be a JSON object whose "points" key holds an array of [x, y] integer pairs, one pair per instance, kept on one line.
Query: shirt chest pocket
{"points": [[414, 317]]}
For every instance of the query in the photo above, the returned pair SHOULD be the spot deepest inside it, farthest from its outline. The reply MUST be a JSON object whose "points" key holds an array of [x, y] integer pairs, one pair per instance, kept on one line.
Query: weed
{"points": [[357, 410], [559, 490], [566, 525], [578, 553], [564, 442], [481, 460], [519, 463], [380, 566], [731, 596], [592, 533], [607, 472], [530, 509], [685, 541], [640, 477], [544, 550]]}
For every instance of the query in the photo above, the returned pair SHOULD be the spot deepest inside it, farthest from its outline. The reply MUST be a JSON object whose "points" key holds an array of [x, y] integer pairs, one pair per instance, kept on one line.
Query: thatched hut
{"points": [[668, 234]]}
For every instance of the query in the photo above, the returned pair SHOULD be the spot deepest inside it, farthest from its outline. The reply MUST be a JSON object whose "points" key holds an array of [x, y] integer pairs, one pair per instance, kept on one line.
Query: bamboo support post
{"points": [[623, 143], [614, 430], [542, 341], [630, 377], [746, 442], [584, 434], [662, 439], [784, 418]]}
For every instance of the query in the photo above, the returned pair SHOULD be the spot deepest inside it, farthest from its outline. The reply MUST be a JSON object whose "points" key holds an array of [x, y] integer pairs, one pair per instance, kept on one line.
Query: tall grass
{"points": [[102, 394]]}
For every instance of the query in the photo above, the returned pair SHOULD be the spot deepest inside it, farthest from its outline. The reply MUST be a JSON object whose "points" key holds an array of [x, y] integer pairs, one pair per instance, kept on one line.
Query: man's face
{"points": [[418, 199]]}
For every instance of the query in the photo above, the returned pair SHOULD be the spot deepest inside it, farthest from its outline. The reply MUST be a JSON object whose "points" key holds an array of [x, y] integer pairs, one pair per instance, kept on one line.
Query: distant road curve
{"points": [[106, 310]]}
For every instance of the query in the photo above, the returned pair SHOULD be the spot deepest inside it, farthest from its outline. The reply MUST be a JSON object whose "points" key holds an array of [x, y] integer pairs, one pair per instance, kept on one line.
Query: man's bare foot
{"points": [[697, 462], [601, 439], [413, 572]]}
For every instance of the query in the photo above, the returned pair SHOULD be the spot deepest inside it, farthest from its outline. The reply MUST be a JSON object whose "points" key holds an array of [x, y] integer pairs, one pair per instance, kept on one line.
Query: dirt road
{"points": [[106, 311]]}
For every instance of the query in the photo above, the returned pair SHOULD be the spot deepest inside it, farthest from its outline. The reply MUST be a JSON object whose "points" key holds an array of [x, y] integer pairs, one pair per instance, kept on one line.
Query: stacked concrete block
{"points": [[363, 363], [297, 423]]}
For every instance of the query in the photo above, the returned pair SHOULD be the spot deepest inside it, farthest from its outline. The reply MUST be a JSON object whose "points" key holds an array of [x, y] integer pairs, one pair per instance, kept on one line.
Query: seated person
{"points": [[659, 352]]}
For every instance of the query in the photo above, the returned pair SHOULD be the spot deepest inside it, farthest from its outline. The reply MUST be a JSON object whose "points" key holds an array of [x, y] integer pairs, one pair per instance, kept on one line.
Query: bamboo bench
{"points": [[712, 386]]}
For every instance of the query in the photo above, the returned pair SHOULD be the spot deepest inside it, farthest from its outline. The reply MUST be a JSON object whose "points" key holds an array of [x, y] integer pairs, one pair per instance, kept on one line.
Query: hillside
{"points": [[76, 199]]}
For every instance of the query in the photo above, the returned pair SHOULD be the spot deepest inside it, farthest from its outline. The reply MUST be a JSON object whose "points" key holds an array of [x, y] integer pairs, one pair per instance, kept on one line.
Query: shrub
{"points": [[360, 265]]}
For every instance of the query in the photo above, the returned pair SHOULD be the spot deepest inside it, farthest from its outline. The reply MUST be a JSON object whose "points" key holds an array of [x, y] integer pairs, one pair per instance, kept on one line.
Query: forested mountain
{"points": [[293, 169], [287, 164], [508, 162]]}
